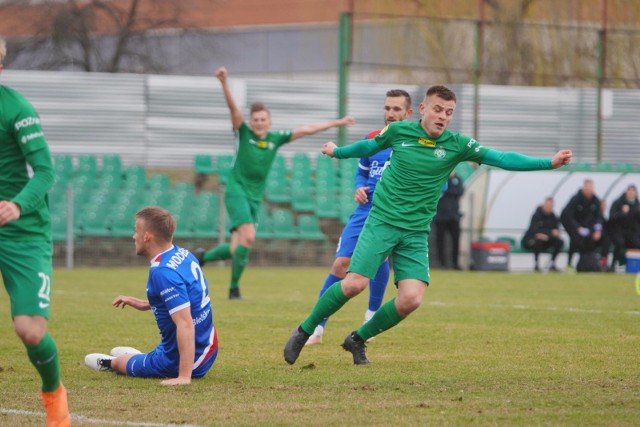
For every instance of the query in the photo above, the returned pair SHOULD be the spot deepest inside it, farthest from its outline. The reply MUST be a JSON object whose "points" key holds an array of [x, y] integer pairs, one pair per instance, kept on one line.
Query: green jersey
{"points": [[410, 187], [23, 150], [253, 160]]}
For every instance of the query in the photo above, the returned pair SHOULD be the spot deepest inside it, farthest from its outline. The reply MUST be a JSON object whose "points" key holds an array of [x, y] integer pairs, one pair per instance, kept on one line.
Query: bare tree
{"points": [[97, 35]]}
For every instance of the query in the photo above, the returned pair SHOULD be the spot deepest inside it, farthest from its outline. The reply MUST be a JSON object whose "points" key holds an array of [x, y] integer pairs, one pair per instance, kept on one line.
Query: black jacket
{"points": [[620, 222], [541, 223], [581, 212], [449, 204]]}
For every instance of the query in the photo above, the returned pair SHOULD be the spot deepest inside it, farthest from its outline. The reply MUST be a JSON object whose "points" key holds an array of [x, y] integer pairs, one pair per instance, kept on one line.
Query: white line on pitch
{"points": [[86, 420], [526, 307]]}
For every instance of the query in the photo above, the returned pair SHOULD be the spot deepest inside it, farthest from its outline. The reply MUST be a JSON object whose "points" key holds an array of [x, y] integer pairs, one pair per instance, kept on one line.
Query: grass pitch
{"points": [[484, 349]]}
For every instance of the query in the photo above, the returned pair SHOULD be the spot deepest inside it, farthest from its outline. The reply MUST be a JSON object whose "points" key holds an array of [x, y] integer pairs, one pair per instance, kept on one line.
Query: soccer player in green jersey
{"points": [[26, 174], [256, 148], [404, 203]]}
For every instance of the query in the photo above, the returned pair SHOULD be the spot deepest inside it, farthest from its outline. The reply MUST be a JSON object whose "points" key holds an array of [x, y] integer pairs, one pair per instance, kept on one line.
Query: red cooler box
{"points": [[490, 256]]}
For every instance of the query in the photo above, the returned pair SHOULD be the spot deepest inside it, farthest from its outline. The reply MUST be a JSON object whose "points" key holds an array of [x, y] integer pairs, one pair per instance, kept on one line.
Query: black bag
{"points": [[589, 262]]}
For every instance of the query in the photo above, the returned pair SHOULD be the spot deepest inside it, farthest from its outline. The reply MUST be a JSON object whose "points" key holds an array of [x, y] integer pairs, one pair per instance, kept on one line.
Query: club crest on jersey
{"points": [[440, 152], [426, 142]]}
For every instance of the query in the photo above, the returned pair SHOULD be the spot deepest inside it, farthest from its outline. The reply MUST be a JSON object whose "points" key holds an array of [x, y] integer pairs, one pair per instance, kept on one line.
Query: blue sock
{"points": [[330, 280], [377, 286]]}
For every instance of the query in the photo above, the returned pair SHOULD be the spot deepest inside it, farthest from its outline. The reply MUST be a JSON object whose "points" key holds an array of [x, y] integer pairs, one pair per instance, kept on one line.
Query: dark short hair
{"points": [[396, 93], [443, 92], [159, 221], [259, 106]]}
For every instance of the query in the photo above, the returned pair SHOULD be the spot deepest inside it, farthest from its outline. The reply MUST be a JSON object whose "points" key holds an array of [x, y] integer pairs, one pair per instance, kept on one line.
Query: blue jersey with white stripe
{"points": [[175, 283]]}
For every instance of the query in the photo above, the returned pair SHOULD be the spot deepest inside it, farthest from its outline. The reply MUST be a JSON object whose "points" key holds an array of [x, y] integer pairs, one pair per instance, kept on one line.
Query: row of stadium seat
{"points": [[106, 199]]}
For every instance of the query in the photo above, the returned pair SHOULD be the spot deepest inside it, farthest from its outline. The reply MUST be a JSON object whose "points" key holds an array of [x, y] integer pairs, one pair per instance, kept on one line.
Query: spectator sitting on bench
{"points": [[624, 225], [582, 219], [543, 234]]}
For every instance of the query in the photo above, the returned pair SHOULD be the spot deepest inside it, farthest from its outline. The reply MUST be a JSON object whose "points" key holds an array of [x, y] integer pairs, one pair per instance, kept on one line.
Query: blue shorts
{"points": [[351, 232], [157, 365]]}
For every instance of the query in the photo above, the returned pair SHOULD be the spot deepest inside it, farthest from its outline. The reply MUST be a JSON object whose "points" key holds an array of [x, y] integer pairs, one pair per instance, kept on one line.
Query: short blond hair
{"points": [[159, 221], [3, 50]]}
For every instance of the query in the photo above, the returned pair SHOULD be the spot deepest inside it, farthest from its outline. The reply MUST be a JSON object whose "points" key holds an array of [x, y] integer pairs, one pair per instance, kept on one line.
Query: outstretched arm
{"points": [[364, 148], [185, 335], [312, 128], [519, 162], [138, 304], [236, 114]]}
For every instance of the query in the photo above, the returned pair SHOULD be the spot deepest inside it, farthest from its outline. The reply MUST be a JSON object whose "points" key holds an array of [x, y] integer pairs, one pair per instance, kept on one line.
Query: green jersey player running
{"points": [[405, 200], [26, 174], [256, 148]]}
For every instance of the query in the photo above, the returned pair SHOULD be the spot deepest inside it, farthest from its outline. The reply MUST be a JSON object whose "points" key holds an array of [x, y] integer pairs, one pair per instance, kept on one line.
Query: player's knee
{"points": [[353, 284], [30, 337], [340, 266], [407, 304]]}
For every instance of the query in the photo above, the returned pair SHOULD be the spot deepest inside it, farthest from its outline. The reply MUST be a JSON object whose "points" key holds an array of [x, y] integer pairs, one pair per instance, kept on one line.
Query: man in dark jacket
{"points": [[543, 234], [624, 225], [447, 221], [582, 219]]}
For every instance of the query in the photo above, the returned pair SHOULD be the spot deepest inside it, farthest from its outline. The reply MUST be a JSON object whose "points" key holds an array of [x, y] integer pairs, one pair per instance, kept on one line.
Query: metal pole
{"points": [[344, 56], [70, 242], [477, 69], [601, 76]]}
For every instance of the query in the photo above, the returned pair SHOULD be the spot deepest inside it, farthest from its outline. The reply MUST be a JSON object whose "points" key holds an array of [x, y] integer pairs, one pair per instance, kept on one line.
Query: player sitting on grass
{"points": [[177, 293]]}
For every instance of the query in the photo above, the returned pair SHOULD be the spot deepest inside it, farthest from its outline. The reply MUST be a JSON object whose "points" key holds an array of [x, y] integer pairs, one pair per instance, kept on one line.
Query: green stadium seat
{"points": [[63, 167], [348, 169], [309, 228], [87, 165], [300, 165], [224, 164], [283, 227], [347, 206], [205, 224], [603, 167], [59, 226], [204, 164], [265, 224], [135, 176], [326, 173], [623, 167], [122, 218], [95, 222], [581, 167], [302, 194], [160, 182], [111, 165], [278, 189], [326, 205]]}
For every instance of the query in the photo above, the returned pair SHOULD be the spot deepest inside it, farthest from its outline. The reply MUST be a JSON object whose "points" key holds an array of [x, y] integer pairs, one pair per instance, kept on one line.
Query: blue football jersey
{"points": [[176, 282], [370, 170]]}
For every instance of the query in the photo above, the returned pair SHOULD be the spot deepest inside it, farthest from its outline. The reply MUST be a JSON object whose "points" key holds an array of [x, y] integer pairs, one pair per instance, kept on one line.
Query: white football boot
{"points": [[96, 361], [121, 351]]}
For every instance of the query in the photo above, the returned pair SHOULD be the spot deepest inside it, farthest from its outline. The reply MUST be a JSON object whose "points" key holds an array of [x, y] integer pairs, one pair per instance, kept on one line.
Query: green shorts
{"points": [[378, 240], [26, 272], [241, 209]]}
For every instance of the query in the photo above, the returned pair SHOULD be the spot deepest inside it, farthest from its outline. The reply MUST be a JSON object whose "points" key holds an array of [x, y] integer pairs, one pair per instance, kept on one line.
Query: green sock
{"points": [[330, 302], [385, 318], [44, 357], [218, 253], [238, 262]]}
